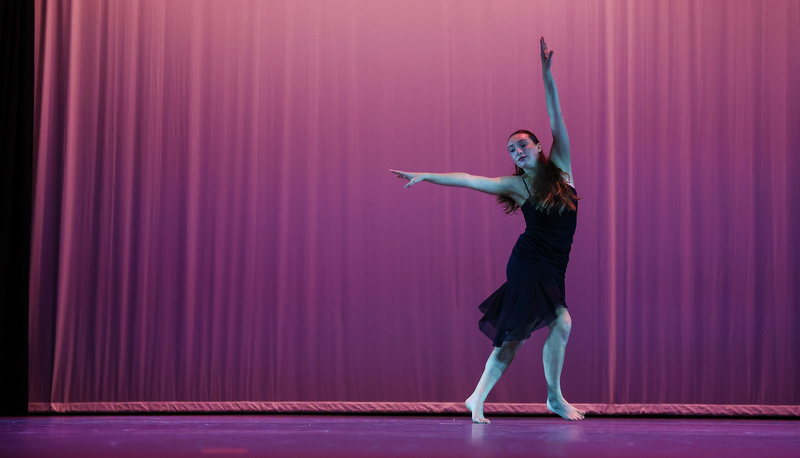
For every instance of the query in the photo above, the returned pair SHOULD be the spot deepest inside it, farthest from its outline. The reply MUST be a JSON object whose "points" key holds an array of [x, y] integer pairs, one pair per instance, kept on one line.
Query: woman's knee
{"points": [[562, 323], [509, 349]]}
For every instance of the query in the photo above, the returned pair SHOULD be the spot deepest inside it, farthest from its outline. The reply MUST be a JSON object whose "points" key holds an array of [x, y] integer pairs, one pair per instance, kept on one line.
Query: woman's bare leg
{"points": [[553, 359], [497, 363]]}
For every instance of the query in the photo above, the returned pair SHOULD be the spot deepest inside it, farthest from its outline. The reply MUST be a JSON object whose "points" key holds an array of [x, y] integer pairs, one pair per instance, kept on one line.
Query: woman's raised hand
{"points": [[547, 56], [411, 177]]}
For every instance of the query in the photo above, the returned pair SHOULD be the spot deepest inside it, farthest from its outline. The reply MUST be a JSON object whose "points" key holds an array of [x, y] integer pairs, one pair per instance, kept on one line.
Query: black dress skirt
{"points": [[534, 286]]}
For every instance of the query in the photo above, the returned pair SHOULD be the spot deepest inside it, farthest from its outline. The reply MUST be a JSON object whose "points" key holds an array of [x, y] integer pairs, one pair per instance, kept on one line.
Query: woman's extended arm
{"points": [[505, 186], [559, 153]]}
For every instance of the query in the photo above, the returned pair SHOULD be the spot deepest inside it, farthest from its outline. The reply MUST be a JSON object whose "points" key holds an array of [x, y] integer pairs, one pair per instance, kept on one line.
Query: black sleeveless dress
{"points": [[534, 286]]}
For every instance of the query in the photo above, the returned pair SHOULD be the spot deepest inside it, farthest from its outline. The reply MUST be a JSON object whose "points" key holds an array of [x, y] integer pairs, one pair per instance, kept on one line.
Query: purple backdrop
{"points": [[215, 225]]}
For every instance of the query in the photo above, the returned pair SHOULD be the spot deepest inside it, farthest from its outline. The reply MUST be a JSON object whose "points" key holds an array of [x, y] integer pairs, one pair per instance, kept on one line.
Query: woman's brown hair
{"points": [[548, 185]]}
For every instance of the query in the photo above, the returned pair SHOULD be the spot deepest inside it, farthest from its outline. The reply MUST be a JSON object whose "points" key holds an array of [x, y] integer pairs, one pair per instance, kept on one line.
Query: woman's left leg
{"points": [[553, 359]]}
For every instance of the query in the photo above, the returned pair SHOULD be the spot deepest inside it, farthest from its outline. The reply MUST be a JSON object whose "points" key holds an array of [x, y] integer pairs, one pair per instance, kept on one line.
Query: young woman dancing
{"points": [[533, 295]]}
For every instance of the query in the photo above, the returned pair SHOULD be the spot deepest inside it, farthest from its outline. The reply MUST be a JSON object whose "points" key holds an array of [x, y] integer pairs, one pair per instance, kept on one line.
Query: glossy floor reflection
{"points": [[304, 435]]}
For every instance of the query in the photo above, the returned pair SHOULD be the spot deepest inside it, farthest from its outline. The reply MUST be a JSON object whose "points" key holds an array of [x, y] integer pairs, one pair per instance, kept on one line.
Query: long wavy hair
{"points": [[548, 185]]}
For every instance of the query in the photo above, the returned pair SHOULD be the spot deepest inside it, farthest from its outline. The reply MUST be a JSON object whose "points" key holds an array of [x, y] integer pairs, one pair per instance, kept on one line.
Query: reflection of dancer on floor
{"points": [[533, 295]]}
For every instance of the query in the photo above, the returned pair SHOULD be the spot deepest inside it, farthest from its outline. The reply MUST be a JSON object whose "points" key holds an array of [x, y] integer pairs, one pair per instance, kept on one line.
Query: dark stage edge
{"points": [[340, 435]]}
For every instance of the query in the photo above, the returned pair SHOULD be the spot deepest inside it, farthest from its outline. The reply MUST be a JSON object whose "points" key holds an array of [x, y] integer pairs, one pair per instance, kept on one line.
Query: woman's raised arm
{"points": [[559, 153]]}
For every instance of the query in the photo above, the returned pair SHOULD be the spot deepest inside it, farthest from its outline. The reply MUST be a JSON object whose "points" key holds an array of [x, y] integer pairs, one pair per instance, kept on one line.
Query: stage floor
{"points": [[339, 435]]}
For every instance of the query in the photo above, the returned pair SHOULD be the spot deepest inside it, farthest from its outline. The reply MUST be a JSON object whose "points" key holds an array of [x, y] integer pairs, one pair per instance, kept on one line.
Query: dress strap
{"points": [[525, 182]]}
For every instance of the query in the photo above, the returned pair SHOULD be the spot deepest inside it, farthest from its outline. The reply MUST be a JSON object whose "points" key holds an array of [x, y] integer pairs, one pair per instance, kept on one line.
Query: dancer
{"points": [[533, 295]]}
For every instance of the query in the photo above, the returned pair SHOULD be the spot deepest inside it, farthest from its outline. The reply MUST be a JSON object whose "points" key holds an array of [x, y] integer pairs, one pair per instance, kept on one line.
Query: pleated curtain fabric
{"points": [[215, 226]]}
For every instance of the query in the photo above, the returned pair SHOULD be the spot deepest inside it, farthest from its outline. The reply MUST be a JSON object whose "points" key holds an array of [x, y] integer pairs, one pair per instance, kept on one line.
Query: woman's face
{"points": [[523, 150]]}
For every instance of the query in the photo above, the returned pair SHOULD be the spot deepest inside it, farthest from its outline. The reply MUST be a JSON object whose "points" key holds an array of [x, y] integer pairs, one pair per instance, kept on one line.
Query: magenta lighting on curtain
{"points": [[215, 226]]}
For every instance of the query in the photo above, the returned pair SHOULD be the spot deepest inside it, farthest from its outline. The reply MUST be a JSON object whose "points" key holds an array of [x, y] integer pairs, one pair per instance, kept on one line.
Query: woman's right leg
{"points": [[497, 363]]}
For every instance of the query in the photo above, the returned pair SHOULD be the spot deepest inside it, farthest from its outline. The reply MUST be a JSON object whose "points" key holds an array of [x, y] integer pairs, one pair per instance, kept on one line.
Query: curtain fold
{"points": [[214, 221]]}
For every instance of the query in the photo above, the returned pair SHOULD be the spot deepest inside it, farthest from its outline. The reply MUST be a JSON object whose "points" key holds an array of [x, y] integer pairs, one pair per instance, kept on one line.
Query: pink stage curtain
{"points": [[215, 224]]}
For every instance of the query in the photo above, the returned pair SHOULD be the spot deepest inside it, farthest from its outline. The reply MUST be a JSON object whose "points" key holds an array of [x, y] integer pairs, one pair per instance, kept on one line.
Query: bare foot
{"points": [[477, 410], [565, 409]]}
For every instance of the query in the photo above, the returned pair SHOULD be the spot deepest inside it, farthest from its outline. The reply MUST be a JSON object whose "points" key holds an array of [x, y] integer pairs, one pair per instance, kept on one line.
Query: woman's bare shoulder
{"points": [[516, 188]]}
